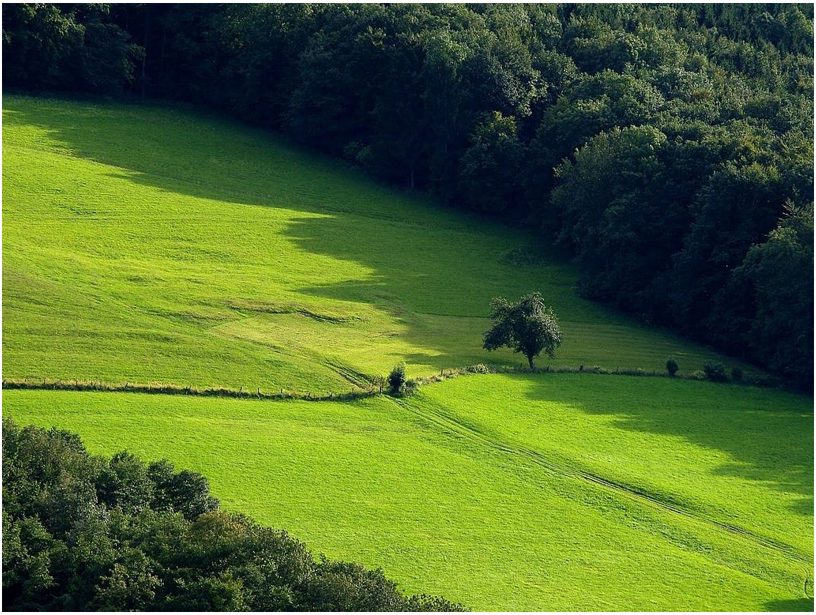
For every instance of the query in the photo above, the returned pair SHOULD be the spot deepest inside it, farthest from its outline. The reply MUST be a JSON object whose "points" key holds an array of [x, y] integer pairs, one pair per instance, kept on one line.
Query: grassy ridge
{"points": [[442, 491], [143, 244]]}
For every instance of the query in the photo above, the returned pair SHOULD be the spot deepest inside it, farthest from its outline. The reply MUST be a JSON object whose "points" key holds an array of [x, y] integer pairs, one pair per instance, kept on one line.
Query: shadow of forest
{"points": [[767, 433]]}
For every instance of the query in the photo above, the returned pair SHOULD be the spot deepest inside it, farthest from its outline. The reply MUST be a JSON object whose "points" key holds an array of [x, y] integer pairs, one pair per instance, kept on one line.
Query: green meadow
{"points": [[146, 244], [507, 492]]}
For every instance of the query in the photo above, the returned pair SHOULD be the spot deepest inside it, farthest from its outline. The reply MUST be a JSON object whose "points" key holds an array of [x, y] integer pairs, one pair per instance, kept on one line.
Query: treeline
{"points": [[84, 533], [669, 147]]}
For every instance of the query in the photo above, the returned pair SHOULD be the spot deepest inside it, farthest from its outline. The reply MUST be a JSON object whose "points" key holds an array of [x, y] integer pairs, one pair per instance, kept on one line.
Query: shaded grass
{"points": [[143, 243], [737, 454], [474, 518]]}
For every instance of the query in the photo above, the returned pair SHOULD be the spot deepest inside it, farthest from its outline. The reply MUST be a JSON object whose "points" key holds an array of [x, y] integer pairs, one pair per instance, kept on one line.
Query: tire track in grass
{"points": [[434, 414], [357, 378]]}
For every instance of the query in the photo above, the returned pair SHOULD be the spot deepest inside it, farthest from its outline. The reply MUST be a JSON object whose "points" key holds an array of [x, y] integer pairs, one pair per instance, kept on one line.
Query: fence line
{"points": [[173, 389], [282, 394]]}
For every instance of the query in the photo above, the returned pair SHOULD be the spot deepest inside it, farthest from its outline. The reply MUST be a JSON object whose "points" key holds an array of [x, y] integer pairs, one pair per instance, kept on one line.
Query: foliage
{"points": [[87, 533], [396, 380], [671, 366], [776, 279], [75, 48], [715, 372], [528, 326], [489, 169]]}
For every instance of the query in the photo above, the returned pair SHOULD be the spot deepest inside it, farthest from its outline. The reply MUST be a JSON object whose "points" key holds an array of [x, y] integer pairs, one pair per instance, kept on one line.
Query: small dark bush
{"points": [[396, 381], [736, 374], [715, 372], [672, 367]]}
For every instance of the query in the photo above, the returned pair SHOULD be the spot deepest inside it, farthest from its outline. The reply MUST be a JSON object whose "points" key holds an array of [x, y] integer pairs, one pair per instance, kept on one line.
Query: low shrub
{"points": [[397, 380], [715, 372], [672, 367]]}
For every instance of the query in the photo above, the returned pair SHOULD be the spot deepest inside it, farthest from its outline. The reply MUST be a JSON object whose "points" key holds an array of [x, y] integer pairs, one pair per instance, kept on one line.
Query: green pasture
{"points": [[145, 244], [485, 488]]}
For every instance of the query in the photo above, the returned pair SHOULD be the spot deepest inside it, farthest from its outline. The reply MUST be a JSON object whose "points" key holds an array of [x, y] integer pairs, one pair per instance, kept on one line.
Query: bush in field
{"points": [[397, 380], [83, 533], [715, 372], [672, 367]]}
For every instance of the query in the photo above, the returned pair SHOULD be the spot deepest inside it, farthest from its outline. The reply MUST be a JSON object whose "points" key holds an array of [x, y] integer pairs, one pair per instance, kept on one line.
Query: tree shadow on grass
{"points": [[792, 605], [768, 434], [357, 220], [423, 259]]}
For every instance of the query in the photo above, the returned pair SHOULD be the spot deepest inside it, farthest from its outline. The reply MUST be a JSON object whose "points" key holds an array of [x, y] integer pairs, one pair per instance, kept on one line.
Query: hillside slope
{"points": [[146, 244], [507, 492]]}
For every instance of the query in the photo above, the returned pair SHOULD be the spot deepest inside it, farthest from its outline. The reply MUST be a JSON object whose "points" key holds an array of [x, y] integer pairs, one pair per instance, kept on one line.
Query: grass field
{"points": [[145, 244], [584, 492]]}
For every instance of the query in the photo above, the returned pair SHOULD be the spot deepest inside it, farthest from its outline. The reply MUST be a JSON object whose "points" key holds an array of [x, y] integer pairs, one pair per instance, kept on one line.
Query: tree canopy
{"points": [[528, 327]]}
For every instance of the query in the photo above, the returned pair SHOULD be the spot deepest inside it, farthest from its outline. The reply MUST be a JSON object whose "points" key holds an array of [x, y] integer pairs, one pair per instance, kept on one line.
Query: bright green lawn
{"points": [[146, 244], [471, 488]]}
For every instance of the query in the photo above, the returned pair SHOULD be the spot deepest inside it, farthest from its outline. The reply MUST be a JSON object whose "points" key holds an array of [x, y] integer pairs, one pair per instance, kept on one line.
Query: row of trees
{"points": [[668, 147], [83, 533]]}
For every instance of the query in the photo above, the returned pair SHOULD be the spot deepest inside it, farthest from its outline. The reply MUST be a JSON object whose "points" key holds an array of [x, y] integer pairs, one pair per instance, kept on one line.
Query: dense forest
{"points": [[669, 148], [87, 533]]}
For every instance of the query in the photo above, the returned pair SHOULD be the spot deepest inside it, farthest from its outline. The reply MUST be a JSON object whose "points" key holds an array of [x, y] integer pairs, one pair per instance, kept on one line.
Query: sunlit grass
{"points": [[443, 493], [146, 244]]}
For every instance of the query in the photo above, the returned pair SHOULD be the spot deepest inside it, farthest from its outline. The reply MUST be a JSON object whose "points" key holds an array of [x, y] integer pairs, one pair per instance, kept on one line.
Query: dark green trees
{"points": [[528, 327], [489, 178], [778, 274], [76, 48], [84, 533]]}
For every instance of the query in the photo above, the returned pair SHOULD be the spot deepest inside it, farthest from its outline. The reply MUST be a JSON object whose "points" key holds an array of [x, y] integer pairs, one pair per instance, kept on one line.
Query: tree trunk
{"points": [[530, 361]]}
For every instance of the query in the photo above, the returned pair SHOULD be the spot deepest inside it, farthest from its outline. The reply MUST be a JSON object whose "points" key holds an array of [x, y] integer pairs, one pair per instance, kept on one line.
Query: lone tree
{"points": [[528, 326]]}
